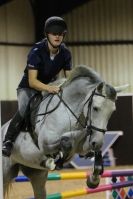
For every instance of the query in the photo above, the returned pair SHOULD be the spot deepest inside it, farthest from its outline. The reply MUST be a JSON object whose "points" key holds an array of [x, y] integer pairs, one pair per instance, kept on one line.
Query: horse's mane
{"points": [[84, 71]]}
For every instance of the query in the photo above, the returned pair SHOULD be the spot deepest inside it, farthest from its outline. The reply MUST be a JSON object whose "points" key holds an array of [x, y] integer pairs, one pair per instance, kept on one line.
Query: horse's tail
{"points": [[7, 189], [9, 173]]}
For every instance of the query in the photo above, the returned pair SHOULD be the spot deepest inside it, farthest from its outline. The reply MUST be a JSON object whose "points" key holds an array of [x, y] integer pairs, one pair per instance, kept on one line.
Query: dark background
{"points": [[43, 9]]}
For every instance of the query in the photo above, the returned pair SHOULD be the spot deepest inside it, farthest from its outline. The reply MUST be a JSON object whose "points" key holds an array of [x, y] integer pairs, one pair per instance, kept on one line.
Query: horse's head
{"points": [[98, 108]]}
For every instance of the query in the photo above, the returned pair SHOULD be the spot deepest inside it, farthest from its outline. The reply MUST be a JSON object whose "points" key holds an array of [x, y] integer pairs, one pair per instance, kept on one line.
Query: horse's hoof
{"points": [[58, 156], [92, 181], [49, 164]]}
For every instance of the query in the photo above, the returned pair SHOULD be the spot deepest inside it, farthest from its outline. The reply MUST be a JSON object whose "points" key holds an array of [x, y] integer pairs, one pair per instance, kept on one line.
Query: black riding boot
{"points": [[12, 133]]}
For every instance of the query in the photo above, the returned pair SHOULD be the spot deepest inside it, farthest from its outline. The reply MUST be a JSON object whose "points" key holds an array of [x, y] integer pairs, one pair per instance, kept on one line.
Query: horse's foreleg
{"points": [[96, 142], [38, 180], [94, 179], [67, 146], [98, 165], [71, 140], [65, 149]]}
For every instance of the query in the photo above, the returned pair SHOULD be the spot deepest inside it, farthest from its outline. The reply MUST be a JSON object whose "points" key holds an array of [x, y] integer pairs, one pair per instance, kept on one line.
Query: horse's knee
{"points": [[66, 143], [66, 146]]}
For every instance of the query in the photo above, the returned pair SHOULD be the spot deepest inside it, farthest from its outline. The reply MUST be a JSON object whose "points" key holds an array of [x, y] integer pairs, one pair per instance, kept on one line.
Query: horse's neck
{"points": [[75, 93]]}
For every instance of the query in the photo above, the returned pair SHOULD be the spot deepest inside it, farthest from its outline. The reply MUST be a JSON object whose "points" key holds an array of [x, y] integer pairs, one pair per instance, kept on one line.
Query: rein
{"points": [[78, 120], [47, 112], [84, 125], [89, 100]]}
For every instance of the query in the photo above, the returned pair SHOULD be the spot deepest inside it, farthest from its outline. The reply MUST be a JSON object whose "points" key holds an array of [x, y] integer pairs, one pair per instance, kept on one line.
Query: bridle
{"points": [[84, 124], [90, 127]]}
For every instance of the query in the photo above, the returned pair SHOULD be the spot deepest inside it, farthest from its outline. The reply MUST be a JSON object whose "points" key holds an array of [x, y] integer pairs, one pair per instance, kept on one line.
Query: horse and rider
{"points": [[72, 121], [68, 120], [45, 61]]}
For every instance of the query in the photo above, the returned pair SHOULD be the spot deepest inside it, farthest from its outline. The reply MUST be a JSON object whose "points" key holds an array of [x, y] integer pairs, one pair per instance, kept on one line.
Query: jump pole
{"points": [[1, 172], [79, 192], [79, 175]]}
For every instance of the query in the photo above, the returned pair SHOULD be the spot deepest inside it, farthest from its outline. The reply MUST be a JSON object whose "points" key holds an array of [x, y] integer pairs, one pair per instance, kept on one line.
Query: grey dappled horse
{"points": [[73, 121]]}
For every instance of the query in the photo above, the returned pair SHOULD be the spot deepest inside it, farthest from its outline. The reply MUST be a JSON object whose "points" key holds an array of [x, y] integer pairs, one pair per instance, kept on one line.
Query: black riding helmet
{"points": [[55, 25]]}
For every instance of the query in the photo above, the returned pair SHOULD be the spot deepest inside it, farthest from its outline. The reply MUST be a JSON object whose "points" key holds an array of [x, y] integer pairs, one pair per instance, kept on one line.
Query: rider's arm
{"points": [[63, 73], [37, 85], [68, 65], [66, 73]]}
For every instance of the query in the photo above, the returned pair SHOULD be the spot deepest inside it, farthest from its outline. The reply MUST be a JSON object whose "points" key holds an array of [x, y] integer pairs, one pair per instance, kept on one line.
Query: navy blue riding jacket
{"points": [[39, 59]]}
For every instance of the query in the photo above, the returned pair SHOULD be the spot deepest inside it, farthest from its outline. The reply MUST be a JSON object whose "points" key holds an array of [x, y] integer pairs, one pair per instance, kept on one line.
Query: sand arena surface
{"points": [[23, 190]]}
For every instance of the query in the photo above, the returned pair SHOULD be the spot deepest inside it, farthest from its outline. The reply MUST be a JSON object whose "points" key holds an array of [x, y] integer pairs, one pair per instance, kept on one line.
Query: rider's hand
{"points": [[53, 89]]}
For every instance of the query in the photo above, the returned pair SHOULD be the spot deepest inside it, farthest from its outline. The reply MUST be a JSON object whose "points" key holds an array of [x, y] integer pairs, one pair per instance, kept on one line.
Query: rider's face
{"points": [[55, 39]]}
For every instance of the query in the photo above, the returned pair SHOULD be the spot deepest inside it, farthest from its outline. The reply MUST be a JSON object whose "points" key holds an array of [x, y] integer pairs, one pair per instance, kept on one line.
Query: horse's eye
{"points": [[95, 109]]}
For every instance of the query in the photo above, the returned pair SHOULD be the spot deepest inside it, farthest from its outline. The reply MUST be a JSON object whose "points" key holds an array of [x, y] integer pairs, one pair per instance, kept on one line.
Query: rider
{"points": [[45, 60]]}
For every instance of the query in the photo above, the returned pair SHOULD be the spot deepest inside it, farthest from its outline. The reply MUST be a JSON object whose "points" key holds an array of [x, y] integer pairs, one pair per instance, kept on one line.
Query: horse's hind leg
{"points": [[38, 179], [10, 171]]}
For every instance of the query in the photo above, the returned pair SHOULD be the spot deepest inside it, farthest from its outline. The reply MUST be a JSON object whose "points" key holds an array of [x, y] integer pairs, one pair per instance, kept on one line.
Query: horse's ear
{"points": [[100, 87], [121, 88]]}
